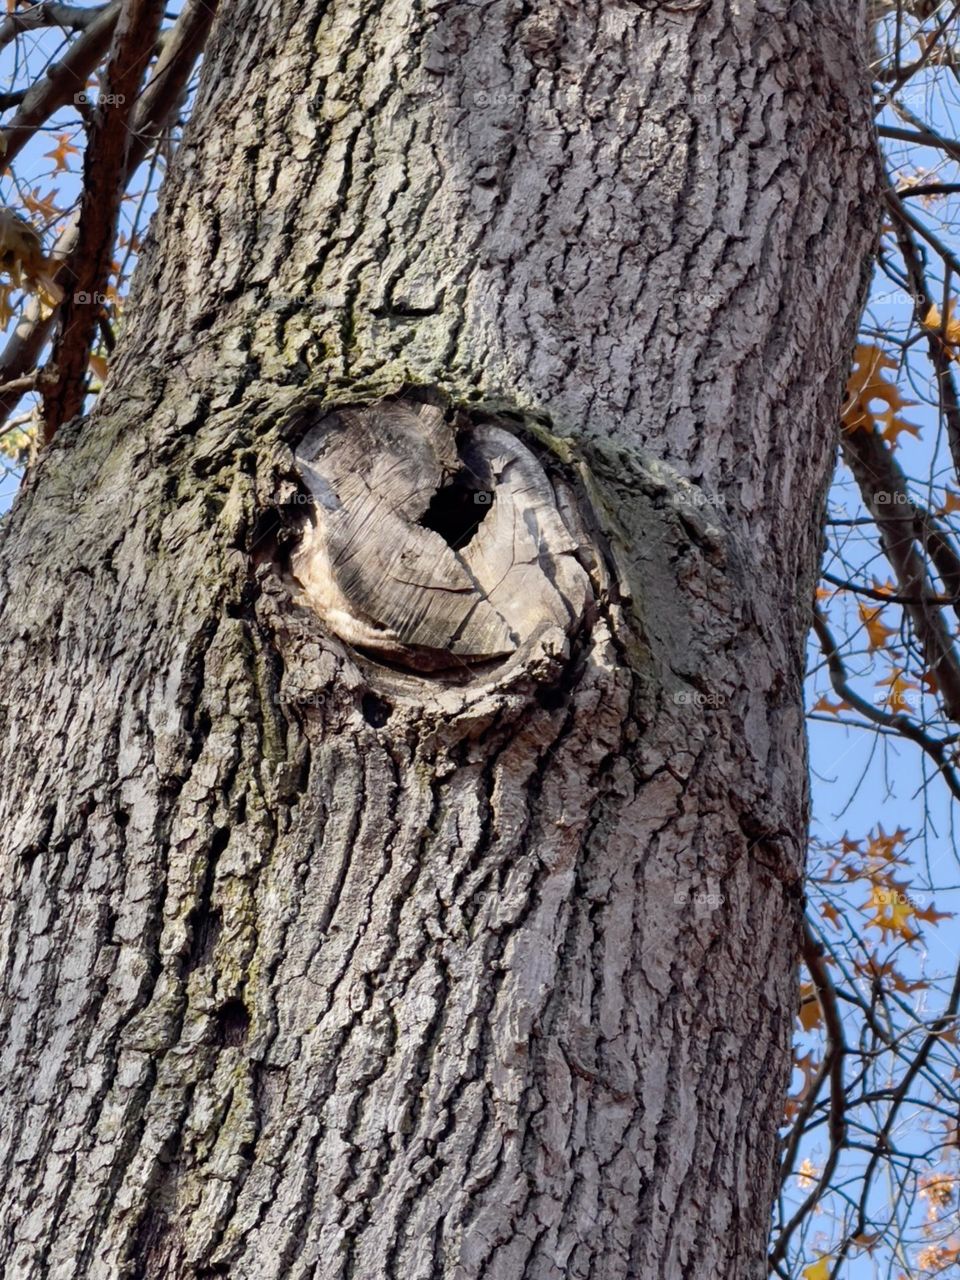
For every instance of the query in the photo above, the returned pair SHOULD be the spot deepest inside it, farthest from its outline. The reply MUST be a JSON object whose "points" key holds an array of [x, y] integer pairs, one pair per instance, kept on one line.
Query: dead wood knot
{"points": [[433, 540]]}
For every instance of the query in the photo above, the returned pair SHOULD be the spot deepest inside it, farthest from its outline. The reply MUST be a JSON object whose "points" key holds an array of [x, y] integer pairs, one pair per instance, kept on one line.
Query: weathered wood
{"points": [[383, 581]]}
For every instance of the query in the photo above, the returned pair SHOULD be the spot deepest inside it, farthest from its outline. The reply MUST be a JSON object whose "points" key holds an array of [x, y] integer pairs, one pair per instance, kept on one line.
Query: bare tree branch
{"points": [[160, 98], [62, 82], [106, 163], [899, 724], [832, 1065], [70, 17], [884, 491]]}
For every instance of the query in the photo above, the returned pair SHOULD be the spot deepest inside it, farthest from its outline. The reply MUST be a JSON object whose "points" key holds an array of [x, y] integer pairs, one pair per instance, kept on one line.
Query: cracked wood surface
{"points": [[384, 579], [316, 966]]}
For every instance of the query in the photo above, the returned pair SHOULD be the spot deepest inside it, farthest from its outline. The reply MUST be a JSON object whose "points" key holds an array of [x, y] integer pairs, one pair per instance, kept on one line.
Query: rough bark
{"points": [[321, 961]]}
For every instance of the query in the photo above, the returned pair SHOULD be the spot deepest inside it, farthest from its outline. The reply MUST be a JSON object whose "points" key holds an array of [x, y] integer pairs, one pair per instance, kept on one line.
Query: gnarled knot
{"points": [[432, 543]]}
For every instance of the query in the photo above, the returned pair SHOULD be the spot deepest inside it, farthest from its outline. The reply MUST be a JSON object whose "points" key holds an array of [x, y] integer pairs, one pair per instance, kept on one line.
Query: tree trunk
{"points": [[385, 896]]}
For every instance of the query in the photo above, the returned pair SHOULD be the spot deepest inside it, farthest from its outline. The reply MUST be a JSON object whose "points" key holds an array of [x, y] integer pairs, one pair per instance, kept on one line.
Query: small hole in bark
{"points": [[121, 818], [205, 929], [457, 510], [376, 712], [551, 699], [248, 598], [266, 533], [277, 530], [233, 1022], [199, 733], [154, 1241]]}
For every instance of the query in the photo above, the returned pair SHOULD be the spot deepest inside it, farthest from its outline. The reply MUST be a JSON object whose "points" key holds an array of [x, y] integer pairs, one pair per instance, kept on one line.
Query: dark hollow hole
{"points": [[276, 530], [152, 1243], [376, 712], [205, 929], [457, 510], [551, 699], [233, 1022], [266, 534]]}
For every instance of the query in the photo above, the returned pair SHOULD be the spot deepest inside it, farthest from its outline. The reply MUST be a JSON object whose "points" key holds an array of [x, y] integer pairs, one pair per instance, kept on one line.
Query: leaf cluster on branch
{"points": [[111, 84], [871, 1143]]}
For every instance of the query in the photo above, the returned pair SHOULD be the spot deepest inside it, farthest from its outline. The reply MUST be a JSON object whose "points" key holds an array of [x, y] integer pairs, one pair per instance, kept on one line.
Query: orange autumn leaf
{"points": [[867, 1240], [824, 704], [877, 633], [884, 846], [61, 151], [98, 366], [932, 916], [866, 385], [898, 698], [950, 331], [809, 1013], [43, 205], [929, 681], [892, 910], [830, 912], [896, 426], [6, 311], [887, 973]]}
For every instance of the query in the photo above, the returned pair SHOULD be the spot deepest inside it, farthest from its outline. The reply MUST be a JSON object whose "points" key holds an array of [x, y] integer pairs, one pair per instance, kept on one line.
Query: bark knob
{"points": [[430, 542]]}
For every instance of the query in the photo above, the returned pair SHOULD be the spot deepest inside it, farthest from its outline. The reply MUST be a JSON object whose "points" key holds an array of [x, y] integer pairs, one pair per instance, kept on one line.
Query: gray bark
{"points": [[322, 958]]}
